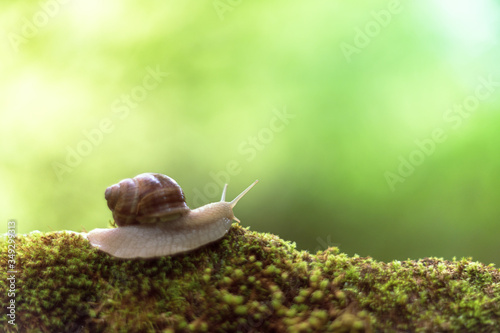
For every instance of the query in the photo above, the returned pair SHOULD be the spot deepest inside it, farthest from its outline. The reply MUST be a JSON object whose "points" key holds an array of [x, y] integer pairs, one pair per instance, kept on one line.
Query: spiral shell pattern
{"points": [[146, 198]]}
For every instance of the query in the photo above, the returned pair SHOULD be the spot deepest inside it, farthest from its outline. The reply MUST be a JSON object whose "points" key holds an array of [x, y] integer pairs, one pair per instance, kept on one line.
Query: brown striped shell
{"points": [[146, 198]]}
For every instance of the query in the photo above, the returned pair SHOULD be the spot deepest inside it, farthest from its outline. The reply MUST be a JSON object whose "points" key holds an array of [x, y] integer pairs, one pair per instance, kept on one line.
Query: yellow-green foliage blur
{"points": [[372, 127]]}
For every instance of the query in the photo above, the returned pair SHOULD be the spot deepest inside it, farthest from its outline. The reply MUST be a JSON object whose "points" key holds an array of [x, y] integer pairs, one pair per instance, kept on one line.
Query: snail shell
{"points": [[153, 219], [147, 198]]}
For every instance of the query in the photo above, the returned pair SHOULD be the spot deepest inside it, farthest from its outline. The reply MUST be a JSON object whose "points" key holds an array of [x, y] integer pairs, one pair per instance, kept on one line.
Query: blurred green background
{"points": [[373, 126]]}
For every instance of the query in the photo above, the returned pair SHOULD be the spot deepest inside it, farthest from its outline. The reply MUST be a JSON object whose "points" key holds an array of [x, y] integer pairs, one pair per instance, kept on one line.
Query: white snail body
{"points": [[148, 226]]}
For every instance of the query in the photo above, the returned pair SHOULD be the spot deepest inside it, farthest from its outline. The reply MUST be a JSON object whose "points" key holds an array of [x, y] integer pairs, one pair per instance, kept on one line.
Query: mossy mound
{"points": [[247, 282]]}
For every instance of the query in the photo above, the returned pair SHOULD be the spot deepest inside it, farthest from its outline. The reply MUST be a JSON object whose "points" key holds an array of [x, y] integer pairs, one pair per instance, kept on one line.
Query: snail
{"points": [[153, 219]]}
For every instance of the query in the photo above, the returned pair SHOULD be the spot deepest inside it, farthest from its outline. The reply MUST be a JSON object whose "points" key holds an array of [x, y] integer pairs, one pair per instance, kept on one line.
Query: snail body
{"points": [[153, 219]]}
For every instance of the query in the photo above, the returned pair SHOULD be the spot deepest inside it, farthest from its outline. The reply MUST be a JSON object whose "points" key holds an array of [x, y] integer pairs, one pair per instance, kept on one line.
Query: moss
{"points": [[247, 282]]}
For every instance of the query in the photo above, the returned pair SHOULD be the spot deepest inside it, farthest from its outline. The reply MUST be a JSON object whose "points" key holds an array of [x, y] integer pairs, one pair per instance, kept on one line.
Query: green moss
{"points": [[248, 281]]}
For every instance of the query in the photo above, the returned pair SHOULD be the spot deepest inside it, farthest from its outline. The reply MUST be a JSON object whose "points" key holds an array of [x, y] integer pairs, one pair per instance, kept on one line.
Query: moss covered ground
{"points": [[247, 282]]}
